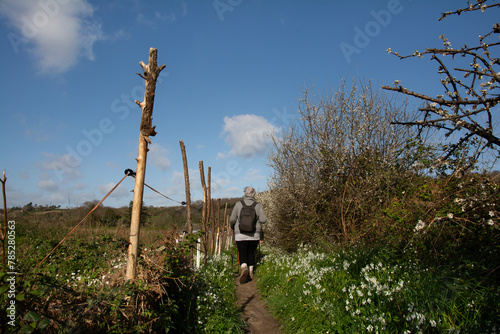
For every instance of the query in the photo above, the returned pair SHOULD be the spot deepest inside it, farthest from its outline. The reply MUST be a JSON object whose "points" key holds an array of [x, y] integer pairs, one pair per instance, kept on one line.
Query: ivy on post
{"points": [[150, 74]]}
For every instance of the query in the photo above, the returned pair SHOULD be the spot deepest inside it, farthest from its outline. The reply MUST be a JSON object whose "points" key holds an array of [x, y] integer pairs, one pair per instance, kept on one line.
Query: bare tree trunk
{"points": [[212, 215], [229, 231], [188, 192], [150, 74], [219, 234], [226, 227], [204, 209], [209, 208]]}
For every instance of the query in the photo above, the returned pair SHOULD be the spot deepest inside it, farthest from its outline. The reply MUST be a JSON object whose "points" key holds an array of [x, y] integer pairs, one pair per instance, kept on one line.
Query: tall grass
{"points": [[373, 291]]}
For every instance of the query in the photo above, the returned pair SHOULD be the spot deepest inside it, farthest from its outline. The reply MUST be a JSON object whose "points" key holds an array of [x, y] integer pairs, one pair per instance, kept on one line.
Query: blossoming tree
{"points": [[466, 109]]}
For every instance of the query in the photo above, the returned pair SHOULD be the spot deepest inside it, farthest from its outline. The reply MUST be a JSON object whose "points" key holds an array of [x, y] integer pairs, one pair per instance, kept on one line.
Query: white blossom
{"points": [[420, 225]]}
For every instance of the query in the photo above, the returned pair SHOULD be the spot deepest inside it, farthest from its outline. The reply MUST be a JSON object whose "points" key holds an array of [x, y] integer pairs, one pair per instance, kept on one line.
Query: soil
{"points": [[255, 313]]}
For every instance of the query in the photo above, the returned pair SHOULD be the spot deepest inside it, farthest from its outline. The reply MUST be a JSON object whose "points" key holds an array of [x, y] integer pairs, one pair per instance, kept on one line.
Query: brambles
{"points": [[82, 285]]}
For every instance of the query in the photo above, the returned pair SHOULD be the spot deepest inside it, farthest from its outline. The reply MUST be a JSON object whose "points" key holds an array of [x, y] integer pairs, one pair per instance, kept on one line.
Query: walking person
{"points": [[247, 237]]}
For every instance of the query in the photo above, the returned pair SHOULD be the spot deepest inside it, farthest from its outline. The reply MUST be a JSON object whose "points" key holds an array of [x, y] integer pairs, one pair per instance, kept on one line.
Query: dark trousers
{"points": [[246, 250]]}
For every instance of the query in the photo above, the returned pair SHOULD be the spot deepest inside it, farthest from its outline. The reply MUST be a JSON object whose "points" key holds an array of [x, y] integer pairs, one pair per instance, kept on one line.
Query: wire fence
{"points": [[216, 236]]}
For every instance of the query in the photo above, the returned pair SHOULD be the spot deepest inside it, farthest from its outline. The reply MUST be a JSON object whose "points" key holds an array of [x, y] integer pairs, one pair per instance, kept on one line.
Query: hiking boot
{"points": [[251, 272], [244, 274]]}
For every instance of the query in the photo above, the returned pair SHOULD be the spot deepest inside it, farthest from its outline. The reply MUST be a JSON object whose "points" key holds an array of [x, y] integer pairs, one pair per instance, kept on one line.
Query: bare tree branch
{"points": [[468, 104]]}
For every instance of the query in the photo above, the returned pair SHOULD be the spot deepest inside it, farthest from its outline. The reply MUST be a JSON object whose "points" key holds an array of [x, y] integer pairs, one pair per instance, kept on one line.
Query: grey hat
{"points": [[249, 192]]}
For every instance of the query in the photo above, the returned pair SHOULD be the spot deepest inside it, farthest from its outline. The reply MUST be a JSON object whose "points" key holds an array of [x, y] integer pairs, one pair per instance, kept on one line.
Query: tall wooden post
{"points": [[219, 232], [214, 231], [204, 209], [150, 74], [209, 207], [188, 192], [225, 228]]}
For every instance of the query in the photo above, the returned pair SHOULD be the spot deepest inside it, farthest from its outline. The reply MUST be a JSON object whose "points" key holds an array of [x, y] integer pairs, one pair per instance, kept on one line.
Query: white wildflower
{"points": [[420, 225]]}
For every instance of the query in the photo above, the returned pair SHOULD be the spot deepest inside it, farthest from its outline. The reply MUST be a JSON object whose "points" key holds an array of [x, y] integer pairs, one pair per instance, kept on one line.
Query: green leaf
{"points": [[20, 297], [26, 329], [3, 288], [44, 323], [37, 292], [32, 316]]}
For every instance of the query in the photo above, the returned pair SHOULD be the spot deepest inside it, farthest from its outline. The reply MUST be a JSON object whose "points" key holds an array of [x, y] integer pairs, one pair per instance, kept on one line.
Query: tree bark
{"points": [[150, 74], [219, 234], [204, 209], [209, 207], [188, 192]]}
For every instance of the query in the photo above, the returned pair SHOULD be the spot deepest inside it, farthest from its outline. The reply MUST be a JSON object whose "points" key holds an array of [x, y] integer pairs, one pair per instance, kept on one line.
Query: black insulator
{"points": [[129, 172]]}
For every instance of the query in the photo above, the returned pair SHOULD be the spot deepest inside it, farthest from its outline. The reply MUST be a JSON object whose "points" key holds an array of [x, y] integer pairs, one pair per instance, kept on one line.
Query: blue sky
{"points": [[234, 70]]}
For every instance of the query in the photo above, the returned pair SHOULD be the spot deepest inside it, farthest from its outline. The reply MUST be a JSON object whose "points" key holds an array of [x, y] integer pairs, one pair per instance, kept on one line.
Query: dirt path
{"points": [[258, 319]]}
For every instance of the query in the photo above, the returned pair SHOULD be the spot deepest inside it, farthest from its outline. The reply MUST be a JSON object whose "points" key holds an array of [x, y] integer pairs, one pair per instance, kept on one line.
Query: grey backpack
{"points": [[248, 218]]}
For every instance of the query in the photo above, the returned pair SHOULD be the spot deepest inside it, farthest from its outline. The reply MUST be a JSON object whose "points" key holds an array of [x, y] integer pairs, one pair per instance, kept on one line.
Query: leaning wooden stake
{"points": [[150, 74], [213, 226], [188, 192], [204, 208]]}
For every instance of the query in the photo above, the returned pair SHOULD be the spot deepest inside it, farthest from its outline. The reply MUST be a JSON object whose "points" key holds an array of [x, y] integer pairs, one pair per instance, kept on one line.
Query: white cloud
{"points": [[178, 182], [65, 166], [155, 20], [46, 184], [247, 135], [56, 32], [38, 128], [24, 175], [158, 156], [112, 164], [118, 193], [254, 175]]}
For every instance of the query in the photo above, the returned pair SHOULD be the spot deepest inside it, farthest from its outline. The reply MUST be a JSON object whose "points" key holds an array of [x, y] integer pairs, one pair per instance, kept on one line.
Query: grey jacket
{"points": [[235, 220]]}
